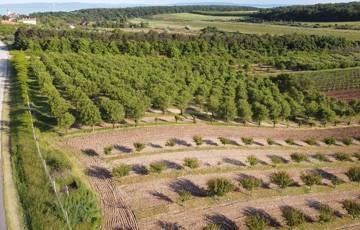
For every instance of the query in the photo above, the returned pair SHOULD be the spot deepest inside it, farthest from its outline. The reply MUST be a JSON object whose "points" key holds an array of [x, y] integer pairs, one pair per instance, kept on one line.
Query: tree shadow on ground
{"points": [[263, 214], [181, 142], [317, 206], [222, 221], [169, 226], [140, 169], [155, 146], [187, 185], [161, 196], [210, 142], [329, 176], [172, 165], [123, 149], [99, 172], [281, 160], [233, 161], [90, 152]]}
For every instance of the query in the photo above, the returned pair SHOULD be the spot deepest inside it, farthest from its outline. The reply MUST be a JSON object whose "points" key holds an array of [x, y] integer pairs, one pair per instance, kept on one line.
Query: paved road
{"points": [[4, 58]]}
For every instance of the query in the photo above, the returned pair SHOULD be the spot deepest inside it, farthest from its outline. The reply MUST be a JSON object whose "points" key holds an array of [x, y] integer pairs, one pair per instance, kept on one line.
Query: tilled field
{"points": [[154, 201]]}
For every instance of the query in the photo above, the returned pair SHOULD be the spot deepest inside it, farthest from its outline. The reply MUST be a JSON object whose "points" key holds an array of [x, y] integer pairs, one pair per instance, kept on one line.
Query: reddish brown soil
{"points": [[157, 136], [345, 95]]}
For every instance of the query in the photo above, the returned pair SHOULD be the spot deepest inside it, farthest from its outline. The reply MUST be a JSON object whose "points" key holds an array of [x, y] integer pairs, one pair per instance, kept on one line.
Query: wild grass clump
{"points": [[347, 141], [330, 140], [220, 187], [299, 157], [121, 170], [198, 140], [224, 140], [311, 141], [191, 162], [108, 150], [342, 157], [139, 146], [357, 155], [282, 179], [352, 207], [157, 167], [247, 140], [327, 214], [184, 195], [321, 157], [277, 160], [293, 216], [212, 227], [256, 222], [290, 141], [354, 174], [250, 183], [270, 141], [252, 160], [311, 179], [171, 142]]}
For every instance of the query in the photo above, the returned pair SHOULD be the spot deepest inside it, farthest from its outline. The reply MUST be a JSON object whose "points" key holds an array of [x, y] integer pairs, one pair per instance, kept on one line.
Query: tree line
{"points": [[318, 13]]}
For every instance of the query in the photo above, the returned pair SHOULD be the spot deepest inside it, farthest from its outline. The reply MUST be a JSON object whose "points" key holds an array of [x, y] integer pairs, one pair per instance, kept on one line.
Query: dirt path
{"points": [[231, 214], [156, 137], [116, 213]]}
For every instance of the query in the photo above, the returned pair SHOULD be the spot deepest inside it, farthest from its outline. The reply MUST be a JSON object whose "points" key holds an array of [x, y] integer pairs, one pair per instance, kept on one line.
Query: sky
{"points": [[158, 2]]}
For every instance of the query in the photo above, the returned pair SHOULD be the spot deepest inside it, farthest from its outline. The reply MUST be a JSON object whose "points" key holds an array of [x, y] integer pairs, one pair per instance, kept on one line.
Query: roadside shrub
{"points": [[311, 141], [191, 162], [352, 207], [281, 179], [157, 167], [220, 187], [170, 143], [347, 141], [256, 222], [212, 227], [299, 157], [252, 160], [327, 214], [342, 157], [321, 157], [139, 146], [198, 140], [277, 160], [290, 141], [311, 179], [270, 141], [121, 170], [224, 141], [329, 140], [57, 164], [247, 140], [357, 155], [250, 183], [108, 150], [184, 195], [354, 174], [293, 216]]}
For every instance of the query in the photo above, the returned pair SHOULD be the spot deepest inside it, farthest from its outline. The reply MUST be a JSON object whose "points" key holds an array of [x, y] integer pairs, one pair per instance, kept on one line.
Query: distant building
{"points": [[11, 16], [29, 21]]}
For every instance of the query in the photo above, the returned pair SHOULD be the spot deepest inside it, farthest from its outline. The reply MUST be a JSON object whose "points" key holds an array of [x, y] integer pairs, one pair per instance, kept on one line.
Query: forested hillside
{"points": [[320, 13]]}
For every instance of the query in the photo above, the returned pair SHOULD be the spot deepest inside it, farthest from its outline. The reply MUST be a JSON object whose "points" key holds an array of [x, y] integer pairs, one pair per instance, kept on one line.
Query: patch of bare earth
{"points": [[345, 95]]}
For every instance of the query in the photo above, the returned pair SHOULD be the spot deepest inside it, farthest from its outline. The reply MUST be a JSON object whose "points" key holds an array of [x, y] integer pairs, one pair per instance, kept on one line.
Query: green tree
{"points": [[260, 112], [112, 111], [66, 120], [244, 110]]}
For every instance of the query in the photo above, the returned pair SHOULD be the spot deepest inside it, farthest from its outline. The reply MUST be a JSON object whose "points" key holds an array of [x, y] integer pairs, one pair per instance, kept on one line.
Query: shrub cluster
{"points": [[121, 170], [191, 162], [219, 187], [281, 179]]}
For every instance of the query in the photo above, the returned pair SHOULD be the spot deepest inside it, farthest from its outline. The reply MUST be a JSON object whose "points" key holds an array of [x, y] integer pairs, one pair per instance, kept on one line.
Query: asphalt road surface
{"points": [[4, 59]]}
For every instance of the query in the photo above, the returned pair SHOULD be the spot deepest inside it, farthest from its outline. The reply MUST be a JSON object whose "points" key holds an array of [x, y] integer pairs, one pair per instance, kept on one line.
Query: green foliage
{"points": [[327, 214], [252, 160], [139, 146], [329, 140], [354, 174], [270, 141], [108, 150], [352, 207], [212, 227], [311, 179], [184, 195], [121, 170], [277, 160], [343, 157], [198, 140], [321, 157], [290, 141], [293, 216], [357, 155], [311, 141], [347, 141], [260, 112], [224, 141], [281, 179], [250, 183], [157, 167], [247, 140], [112, 111], [256, 222], [299, 157], [191, 163], [219, 187], [171, 142]]}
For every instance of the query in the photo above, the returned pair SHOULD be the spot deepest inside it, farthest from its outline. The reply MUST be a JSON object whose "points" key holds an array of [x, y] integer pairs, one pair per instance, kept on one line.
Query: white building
{"points": [[29, 21]]}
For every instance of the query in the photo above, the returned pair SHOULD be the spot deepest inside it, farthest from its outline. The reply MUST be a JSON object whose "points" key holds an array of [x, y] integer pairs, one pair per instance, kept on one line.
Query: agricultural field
{"points": [[196, 22]]}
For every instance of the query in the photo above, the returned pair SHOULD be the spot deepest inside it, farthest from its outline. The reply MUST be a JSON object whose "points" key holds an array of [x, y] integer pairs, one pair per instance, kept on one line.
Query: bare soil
{"points": [[345, 95]]}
